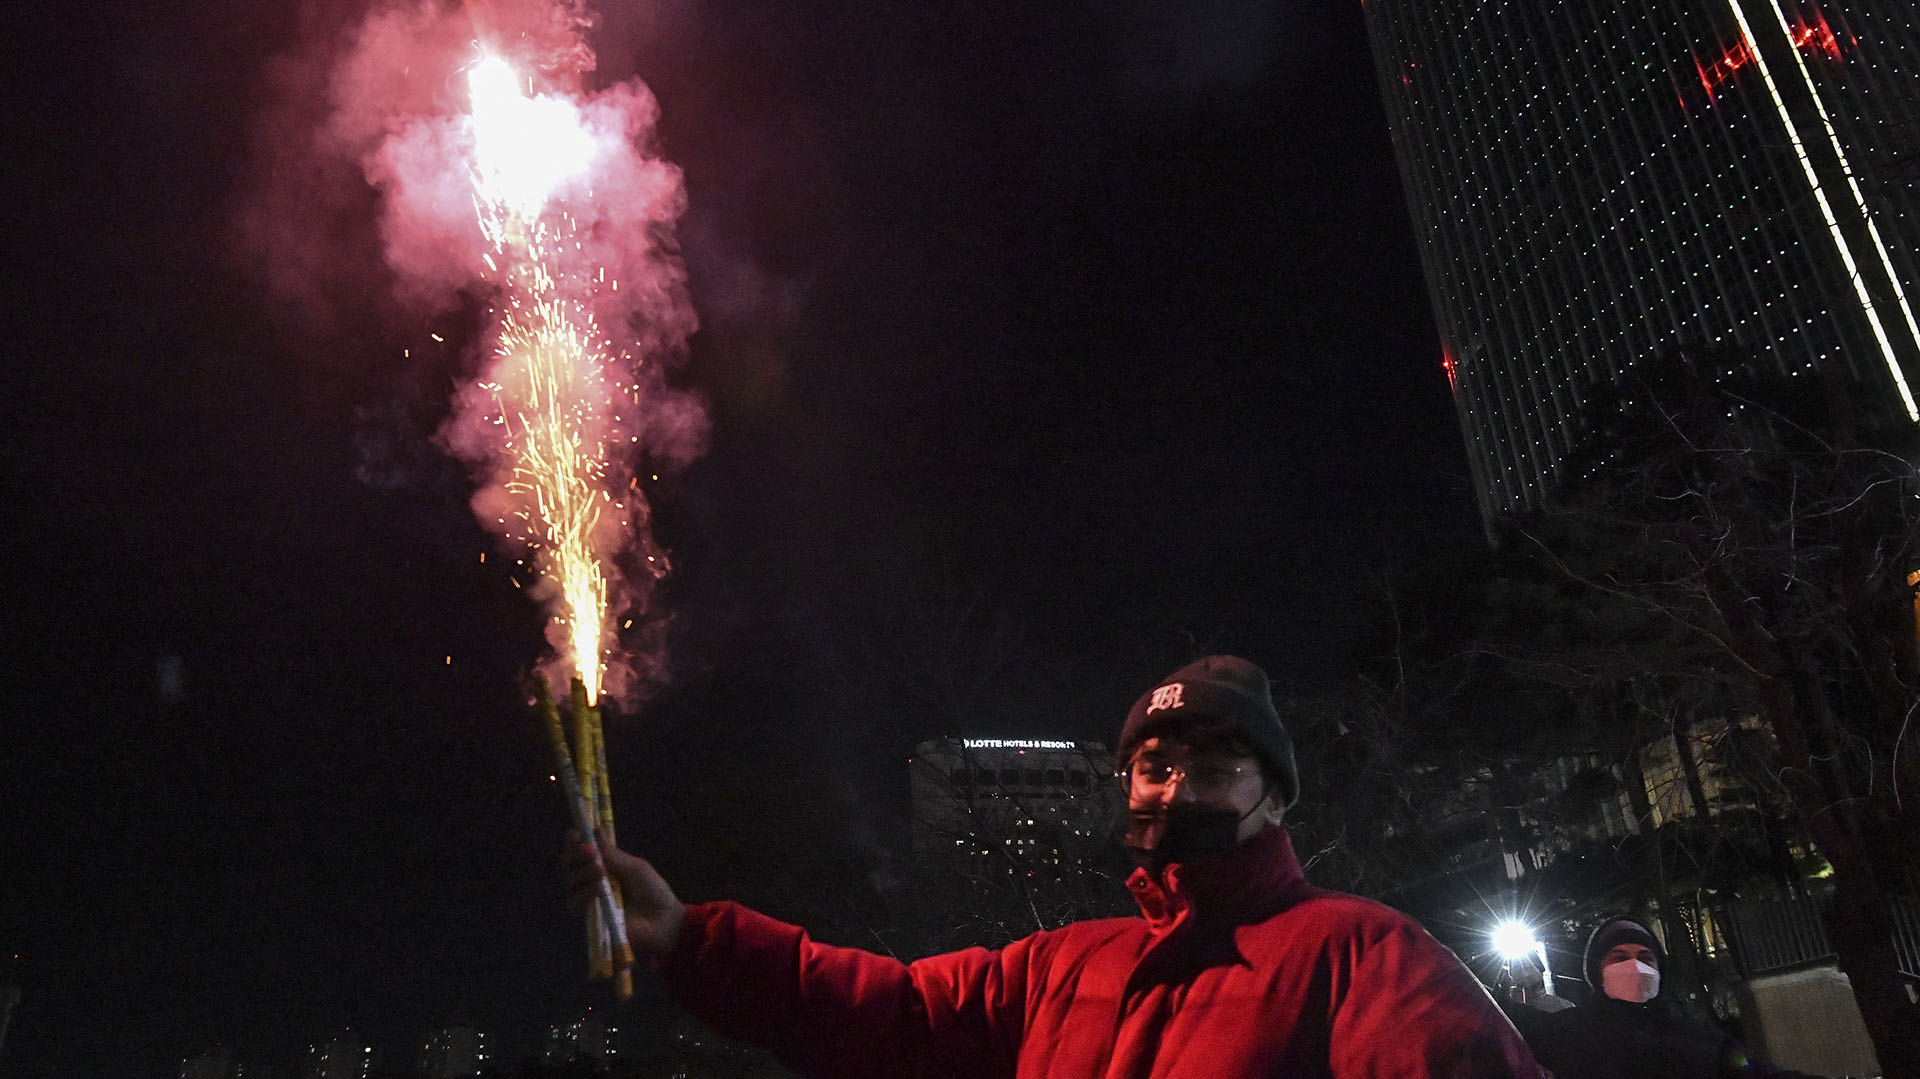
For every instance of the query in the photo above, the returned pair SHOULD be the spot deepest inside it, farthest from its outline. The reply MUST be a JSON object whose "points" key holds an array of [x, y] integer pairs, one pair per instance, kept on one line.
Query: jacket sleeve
{"points": [[1411, 1008], [845, 1013]]}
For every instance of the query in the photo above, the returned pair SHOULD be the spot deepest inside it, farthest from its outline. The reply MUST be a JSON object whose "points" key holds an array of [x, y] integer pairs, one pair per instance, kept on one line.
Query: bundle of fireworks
{"points": [[566, 235], [582, 768]]}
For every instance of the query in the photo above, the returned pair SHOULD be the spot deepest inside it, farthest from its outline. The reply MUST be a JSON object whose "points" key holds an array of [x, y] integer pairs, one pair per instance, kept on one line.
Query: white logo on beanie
{"points": [[1167, 696]]}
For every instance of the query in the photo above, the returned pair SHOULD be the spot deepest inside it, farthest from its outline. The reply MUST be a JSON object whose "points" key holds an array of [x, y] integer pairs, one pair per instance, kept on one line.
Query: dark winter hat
{"points": [[1222, 695], [1613, 933]]}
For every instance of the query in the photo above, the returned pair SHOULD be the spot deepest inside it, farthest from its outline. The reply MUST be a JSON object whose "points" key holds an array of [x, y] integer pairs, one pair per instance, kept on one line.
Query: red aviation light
{"points": [[1815, 37], [1448, 364], [1731, 61]]}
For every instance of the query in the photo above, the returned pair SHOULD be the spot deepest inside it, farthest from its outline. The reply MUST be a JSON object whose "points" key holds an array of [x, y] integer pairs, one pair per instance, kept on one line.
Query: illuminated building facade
{"points": [[1594, 185], [454, 1052], [338, 1058], [997, 807], [585, 1040]]}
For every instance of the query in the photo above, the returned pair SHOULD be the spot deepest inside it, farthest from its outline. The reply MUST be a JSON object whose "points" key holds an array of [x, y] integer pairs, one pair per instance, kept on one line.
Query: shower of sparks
{"points": [[557, 381]]}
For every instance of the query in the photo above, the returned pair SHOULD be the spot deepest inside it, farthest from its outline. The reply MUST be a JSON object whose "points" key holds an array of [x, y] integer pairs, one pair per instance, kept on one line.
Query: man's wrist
{"points": [[669, 929]]}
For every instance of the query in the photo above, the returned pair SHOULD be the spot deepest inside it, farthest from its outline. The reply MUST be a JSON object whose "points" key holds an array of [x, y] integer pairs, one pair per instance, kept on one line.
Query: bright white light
{"points": [[1513, 940], [524, 146]]}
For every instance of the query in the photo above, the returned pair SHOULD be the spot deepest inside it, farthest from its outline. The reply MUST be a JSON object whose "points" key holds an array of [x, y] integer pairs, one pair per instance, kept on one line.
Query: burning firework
{"points": [[546, 201], [501, 177], [558, 398], [558, 387]]}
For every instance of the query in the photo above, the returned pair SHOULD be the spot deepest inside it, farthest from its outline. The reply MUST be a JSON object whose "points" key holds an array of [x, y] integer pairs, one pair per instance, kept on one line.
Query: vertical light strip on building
{"points": [[1820, 196], [1859, 200]]}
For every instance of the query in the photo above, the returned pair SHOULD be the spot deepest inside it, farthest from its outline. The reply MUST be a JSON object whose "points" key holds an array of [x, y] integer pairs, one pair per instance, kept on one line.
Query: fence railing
{"points": [[1778, 934], [1906, 935]]}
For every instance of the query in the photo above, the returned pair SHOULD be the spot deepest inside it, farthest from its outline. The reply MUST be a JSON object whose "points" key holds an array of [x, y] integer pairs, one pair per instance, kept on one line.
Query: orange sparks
{"points": [[557, 378]]}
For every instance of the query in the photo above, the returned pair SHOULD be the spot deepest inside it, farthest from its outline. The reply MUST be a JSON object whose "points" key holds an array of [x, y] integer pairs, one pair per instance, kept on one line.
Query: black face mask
{"points": [[1182, 833]]}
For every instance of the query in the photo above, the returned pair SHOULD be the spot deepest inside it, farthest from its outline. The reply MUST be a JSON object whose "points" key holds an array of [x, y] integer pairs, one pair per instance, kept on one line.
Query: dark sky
{"points": [[1044, 345]]}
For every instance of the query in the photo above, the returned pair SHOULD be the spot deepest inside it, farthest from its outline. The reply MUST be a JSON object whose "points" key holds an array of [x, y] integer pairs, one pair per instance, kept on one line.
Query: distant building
{"points": [[213, 1064], [457, 1051], [338, 1058], [998, 806], [1530, 814], [1594, 186], [1010, 836], [586, 1040]]}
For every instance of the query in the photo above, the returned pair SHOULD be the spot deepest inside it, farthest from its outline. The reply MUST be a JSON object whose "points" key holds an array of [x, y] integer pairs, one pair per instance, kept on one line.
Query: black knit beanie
{"points": [[1218, 695]]}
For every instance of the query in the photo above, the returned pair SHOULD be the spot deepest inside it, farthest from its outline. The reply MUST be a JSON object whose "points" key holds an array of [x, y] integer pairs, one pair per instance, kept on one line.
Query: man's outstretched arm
{"points": [[824, 1010]]}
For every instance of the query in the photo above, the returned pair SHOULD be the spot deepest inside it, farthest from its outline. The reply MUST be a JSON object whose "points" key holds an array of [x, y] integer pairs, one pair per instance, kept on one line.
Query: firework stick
{"points": [[599, 944], [599, 941], [618, 954], [603, 800], [602, 786], [606, 921], [599, 952], [577, 805], [594, 745]]}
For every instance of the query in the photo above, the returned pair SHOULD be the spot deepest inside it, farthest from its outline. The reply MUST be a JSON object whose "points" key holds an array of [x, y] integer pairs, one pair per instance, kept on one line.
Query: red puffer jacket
{"points": [[1239, 968]]}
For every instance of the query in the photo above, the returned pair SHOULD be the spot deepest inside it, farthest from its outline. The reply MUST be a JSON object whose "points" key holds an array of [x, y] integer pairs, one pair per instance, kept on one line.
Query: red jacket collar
{"points": [[1256, 879]]}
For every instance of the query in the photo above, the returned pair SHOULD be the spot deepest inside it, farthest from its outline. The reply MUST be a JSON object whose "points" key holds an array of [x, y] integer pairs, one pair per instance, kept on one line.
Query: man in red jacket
{"points": [[1237, 966]]}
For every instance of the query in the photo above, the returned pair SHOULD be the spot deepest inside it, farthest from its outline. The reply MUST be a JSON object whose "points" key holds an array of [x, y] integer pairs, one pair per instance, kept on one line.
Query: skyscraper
{"points": [[1595, 184]]}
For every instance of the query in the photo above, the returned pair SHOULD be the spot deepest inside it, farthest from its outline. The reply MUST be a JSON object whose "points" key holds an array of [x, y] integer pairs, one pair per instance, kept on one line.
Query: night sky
{"points": [[1044, 345]]}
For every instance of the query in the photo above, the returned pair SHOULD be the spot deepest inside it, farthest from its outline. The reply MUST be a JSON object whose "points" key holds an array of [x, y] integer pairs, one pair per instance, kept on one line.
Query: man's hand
{"points": [[654, 913]]}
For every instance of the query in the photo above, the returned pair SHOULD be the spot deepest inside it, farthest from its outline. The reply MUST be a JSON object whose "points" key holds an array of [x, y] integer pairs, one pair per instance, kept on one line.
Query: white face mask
{"points": [[1630, 980]]}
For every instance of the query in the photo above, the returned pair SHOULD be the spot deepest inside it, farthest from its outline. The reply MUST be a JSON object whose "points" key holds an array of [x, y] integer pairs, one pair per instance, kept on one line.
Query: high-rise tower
{"points": [[1597, 183]]}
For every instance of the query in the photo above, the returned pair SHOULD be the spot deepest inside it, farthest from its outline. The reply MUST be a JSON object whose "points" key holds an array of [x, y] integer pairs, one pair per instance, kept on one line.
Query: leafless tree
{"points": [[1777, 522]]}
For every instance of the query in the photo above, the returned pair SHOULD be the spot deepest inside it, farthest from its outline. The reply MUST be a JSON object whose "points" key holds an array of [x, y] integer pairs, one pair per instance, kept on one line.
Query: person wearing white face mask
{"points": [[1627, 1031], [1630, 971]]}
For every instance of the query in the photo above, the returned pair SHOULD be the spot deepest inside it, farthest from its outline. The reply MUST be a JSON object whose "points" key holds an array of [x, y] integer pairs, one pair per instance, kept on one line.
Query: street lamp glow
{"points": [[1513, 940]]}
